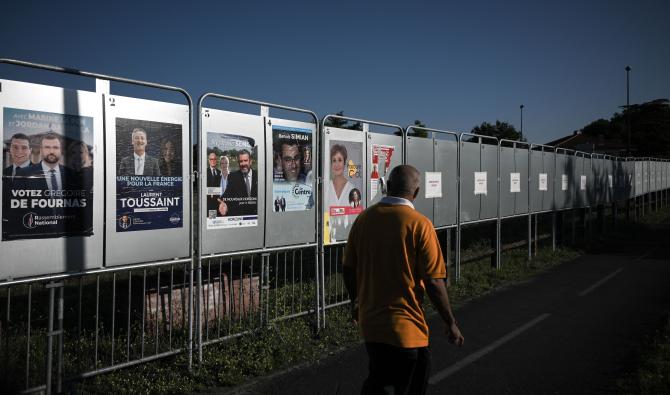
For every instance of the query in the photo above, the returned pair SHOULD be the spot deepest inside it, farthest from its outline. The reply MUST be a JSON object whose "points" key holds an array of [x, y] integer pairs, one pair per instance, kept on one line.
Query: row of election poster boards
{"points": [[258, 187], [91, 180]]}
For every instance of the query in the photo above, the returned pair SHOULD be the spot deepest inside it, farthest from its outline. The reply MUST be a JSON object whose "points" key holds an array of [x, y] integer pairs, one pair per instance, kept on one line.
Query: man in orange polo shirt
{"points": [[392, 256]]}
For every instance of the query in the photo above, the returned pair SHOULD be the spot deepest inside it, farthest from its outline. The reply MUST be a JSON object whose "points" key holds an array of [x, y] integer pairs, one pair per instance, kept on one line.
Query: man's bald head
{"points": [[404, 181]]}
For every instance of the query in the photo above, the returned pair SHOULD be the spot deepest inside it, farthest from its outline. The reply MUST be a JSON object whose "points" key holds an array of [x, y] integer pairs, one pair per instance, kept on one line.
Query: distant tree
{"points": [[649, 124], [417, 131], [601, 127], [343, 123], [501, 130]]}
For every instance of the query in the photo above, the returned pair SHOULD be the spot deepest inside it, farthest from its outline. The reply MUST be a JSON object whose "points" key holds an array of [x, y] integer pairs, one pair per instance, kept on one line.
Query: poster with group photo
{"points": [[292, 175], [47, 175], [149, 177], [344, 183], [232, 181]]}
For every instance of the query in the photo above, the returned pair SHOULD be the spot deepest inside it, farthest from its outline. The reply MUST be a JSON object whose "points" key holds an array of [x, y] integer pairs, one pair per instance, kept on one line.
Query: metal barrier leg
{"points": [[458, 252], [199, 310], [448, 248], [553, 230], [537, 218], [498, 244], [50, 335], [574, 225], [530, 239]]}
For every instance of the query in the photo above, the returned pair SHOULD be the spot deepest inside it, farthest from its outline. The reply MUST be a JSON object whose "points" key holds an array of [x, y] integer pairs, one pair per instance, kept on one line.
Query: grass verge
{"points": [[292, 342], [653, 373]]}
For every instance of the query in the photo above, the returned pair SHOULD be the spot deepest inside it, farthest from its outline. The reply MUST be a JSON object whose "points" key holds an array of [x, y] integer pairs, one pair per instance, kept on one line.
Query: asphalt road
{"points": [[576, 328]]}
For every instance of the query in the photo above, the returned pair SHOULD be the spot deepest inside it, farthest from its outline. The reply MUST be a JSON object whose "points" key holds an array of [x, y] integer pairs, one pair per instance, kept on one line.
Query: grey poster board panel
{"points": [[226, 134], [490, 165], [470, 163], [507, 197], [446, 162], [386, 150], [148, 216], [339, 215], [561, 196], [598, 181], [420, 154], [34, 109], [548, 195], [590, 181], [291, 200], [580, 194], [652, 176], [638, 178], [645, 176], [521, 159], [536, 168]]}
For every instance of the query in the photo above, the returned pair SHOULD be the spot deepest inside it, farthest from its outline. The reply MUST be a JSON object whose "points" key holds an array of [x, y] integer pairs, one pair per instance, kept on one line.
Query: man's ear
{"points": [[416, 192]]}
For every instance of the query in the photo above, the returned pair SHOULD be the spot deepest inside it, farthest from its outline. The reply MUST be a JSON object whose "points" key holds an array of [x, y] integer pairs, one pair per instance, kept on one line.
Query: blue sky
{"points": [[450, 64]]}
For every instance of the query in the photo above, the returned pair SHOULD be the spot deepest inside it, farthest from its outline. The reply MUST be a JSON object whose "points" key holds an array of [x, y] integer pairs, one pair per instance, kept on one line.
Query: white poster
{"points": [[543, 182], [480, 183], [564, 182], [582, 183], [609, 179], [515, 182], [433, 184]]}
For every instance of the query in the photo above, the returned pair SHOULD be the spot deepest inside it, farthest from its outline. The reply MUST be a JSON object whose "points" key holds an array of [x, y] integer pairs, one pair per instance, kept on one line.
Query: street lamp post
{"points": [[521, 129], [628, 105]]}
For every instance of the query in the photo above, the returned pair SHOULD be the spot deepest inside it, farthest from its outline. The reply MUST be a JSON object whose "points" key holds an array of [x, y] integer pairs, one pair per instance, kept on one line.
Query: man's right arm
{"points": [[437, 292]]}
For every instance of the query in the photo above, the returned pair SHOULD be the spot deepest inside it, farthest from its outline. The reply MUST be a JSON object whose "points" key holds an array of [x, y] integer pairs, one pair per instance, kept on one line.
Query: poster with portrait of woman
{"points": [[343, 186]]}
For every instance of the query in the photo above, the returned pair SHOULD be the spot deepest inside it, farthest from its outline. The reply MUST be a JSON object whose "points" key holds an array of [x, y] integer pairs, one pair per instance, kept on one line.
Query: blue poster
{"points": [[149, 175], [47, 176]]}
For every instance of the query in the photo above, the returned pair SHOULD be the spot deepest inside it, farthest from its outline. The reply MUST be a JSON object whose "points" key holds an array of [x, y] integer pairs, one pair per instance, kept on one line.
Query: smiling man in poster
{"points": [[292, 187]]}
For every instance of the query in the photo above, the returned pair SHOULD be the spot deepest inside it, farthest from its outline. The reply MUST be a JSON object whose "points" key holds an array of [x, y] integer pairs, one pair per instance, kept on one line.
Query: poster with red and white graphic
{"points": [[381, 161]]}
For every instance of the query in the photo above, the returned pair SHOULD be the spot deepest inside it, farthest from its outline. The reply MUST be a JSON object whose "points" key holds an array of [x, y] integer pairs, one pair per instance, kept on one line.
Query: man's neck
{"points": [[139, 153]]}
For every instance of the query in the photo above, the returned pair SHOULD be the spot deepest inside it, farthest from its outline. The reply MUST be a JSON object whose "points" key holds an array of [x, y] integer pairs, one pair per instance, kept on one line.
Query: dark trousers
{"points": [[405, 369]]}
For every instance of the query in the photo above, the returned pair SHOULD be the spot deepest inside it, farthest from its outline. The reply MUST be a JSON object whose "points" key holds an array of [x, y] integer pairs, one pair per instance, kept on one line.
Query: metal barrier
{"points": [[331, 251], [258, 286], [96, 347]]}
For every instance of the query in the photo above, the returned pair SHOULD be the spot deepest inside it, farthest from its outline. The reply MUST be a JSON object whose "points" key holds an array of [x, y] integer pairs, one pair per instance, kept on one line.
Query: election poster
{"points": [[292, 175], [233, 167], [381, 163], [47, 175], [149, 176], [344, 184]]}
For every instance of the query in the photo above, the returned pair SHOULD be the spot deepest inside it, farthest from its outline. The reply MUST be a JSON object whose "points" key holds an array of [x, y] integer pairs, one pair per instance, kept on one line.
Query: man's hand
{"points": [[354, 312], [454, 335]]}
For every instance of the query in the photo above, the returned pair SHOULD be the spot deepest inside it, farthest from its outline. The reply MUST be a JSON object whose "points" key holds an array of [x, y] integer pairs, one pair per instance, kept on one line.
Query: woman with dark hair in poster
{"points": [[338, 187], [79, 158], [168, 165], [355, 198]]}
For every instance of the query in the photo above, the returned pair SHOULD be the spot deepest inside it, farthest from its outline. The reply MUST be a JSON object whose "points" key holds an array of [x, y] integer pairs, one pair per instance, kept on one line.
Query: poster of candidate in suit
{"points": [[292, 176], [47, 175], [237, 202], [149, 175]]}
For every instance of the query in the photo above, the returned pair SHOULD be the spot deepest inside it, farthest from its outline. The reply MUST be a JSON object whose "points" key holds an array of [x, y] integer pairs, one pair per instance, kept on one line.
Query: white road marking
{"points": [[475, 356], [599, 283]]}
